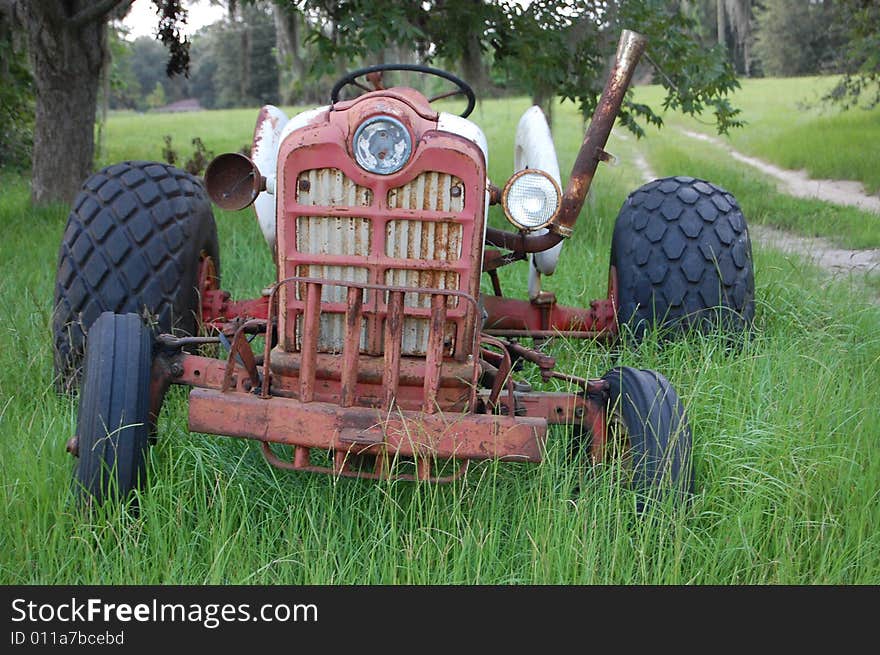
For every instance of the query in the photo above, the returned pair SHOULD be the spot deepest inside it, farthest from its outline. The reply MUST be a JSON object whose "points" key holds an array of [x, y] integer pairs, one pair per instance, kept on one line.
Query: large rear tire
{"points": [[113, 422], [133, 243], [683, 259]]}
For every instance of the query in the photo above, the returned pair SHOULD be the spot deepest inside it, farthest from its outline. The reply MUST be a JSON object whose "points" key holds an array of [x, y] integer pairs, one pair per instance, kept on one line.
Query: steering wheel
{"points": [[351, 79]]}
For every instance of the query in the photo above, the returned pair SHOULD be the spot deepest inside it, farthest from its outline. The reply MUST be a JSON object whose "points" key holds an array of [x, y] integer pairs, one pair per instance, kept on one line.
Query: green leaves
{"points": [[16, 100], [860, 59], [696, 78], [547, 48]]}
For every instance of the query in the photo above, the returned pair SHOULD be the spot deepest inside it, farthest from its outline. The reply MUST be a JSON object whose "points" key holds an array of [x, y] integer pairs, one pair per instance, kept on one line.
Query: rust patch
{"points": [[317, 425], [430, 191], [264, 116], [330, 187]]}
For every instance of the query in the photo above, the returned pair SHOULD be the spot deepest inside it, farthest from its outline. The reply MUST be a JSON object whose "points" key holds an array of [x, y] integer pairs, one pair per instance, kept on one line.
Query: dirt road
{"points": [[819, 251]]}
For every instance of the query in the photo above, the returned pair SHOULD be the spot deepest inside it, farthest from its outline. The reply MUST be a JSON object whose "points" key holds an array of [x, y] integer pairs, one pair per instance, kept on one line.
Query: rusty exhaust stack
{"points": [[592, 151]]}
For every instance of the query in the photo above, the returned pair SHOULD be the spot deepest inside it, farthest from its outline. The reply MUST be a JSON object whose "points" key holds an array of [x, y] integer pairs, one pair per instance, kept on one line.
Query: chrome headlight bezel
{"points": [[545, 185], [398, 138]]}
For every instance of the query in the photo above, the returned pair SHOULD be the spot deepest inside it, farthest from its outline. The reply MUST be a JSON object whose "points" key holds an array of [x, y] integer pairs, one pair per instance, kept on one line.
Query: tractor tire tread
{"points": [[128, 247], [112, 424], [681, 248]]}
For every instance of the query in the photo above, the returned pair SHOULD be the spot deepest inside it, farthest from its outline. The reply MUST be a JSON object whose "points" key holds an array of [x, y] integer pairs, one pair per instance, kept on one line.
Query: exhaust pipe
{"points": [[233, 181], [592, 151]]}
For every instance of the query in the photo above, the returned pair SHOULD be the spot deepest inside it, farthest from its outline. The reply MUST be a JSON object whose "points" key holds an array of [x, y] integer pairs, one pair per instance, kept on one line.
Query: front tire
{"points": [[647, 426], [133, 243], [683, 259], [113, 421]]}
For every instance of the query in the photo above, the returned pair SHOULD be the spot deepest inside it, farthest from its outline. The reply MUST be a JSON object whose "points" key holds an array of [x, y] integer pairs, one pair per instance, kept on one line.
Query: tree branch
{"points": [[95, 11]]}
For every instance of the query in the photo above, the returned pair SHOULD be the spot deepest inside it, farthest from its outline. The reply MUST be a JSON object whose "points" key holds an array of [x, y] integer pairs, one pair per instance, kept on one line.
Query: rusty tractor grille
{"points": [[329, 187], [346, 235], [425, 241], [434, 240], [430, 191], [332, 325]]}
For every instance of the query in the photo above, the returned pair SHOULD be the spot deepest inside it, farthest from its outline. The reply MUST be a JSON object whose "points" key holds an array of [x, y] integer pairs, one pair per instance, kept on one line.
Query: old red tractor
{"points": [[378, 355]]}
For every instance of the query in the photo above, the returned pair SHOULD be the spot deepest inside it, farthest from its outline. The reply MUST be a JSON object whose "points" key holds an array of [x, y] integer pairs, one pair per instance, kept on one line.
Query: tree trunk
{"points": [[245, 70], [66, 45], [290, 32], [545, 101], [740, 15], [722, 22], [104, 106], [291, 66], [473, 66]]}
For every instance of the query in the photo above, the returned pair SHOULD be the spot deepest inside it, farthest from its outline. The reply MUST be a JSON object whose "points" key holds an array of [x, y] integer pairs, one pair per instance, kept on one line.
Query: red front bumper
{"points": [[366, 431]]}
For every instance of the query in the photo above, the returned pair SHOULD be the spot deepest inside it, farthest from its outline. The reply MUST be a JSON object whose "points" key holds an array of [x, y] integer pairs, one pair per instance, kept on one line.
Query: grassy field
{"points": [[785, 432], [771, 109], [790, 126]]}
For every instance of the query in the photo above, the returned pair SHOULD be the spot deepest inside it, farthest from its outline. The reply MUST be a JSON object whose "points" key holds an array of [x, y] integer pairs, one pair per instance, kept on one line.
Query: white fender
{"points": [[470, 131], [534, 149], [264, 153], [272, 128]]}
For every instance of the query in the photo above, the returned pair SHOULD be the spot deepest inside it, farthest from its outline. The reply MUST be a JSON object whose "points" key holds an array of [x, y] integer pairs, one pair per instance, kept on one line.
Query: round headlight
{"points": [[531, 199], [382, 145]]}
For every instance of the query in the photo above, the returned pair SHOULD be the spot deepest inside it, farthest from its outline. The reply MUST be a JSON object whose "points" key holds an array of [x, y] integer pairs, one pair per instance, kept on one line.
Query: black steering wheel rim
{"points": [[463, 86]]}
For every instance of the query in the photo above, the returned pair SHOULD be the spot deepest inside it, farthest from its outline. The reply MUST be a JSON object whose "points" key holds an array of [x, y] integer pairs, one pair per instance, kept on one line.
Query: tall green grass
{"points": [[785, 442], [789, 125], [670, 153]]}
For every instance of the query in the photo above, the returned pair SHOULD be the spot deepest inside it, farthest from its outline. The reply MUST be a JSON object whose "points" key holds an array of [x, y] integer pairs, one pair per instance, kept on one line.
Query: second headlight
{"points": [[531, 199]]}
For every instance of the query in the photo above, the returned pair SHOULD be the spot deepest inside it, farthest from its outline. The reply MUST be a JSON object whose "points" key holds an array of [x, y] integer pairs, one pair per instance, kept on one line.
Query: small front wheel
{"points": [[113, 423], [646, 425]]}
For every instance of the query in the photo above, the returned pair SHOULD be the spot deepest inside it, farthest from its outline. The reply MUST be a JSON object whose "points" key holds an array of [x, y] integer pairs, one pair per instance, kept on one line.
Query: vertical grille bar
{"points": [[350, 347], [434, 356], [393, 334], [308, 362], [302, 457], [423, 467]]}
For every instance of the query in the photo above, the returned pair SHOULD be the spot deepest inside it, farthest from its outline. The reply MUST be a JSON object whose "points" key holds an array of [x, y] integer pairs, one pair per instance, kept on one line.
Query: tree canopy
{"points": [[859, 58], [546, 48], [287, 50]]}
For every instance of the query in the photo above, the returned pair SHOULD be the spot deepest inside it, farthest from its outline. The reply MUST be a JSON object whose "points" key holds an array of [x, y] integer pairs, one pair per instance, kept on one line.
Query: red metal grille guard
{"points": [[394, 312], [344, 427]]}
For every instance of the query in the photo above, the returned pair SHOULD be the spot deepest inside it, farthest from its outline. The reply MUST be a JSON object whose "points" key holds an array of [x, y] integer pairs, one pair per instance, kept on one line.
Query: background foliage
{"points": [[290, 51]]}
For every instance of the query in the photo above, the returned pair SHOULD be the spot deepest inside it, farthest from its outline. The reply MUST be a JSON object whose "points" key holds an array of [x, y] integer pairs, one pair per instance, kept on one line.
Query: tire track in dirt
{"points": [[816, 250], [798, 183], [819, 251]]}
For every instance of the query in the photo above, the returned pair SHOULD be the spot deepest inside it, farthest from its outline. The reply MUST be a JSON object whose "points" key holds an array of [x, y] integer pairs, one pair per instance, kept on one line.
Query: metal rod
{"points": [[309, 342], [302, 457], [170, 341], [267, 344], [423, 468], [574, 334], [629, 51], [393, 335], [351, 347], [434, 356], [340, 462]]}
